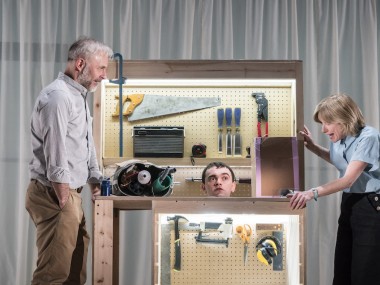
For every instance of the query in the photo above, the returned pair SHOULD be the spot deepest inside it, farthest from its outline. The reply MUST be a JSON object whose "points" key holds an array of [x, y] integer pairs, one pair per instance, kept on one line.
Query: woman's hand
{"points": [[299, 199], [308, 139]]}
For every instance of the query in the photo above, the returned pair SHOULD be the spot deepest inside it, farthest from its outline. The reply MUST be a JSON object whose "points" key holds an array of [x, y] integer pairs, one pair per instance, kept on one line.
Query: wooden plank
{"points": [[300, 123], [96, 127], [302, 246], [206, 69], [156, 255], [238, 205], [103, 242], [226, 206], [180, 161], [116, 246], [97, 120]]}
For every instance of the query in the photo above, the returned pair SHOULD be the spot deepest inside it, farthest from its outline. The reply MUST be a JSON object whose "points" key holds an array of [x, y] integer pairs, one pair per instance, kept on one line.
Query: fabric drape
{"points": [[337, 41]]}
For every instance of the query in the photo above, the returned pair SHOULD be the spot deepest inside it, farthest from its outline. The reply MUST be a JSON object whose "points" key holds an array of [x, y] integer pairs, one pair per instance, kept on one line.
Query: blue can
{"points": [[106, 188]]}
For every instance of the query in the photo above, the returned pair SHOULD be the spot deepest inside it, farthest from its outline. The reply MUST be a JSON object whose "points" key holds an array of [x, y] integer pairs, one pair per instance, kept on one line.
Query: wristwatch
{"points": [[315, 193]]}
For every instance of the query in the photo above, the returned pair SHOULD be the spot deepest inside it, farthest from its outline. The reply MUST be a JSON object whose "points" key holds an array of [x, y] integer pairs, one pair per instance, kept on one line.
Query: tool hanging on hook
{"points": [[262, 112], [229, 134], [220, 116], [237, 136]]}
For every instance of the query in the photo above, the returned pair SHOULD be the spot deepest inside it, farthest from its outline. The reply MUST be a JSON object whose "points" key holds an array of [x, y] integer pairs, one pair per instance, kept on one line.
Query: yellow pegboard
{"points": [[206, 263], [201, 125]]}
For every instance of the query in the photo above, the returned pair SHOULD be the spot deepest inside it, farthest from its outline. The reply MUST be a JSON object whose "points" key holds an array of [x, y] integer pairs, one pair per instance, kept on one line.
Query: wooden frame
{"points": [[106, 225], [232, 69], [106, 212]]}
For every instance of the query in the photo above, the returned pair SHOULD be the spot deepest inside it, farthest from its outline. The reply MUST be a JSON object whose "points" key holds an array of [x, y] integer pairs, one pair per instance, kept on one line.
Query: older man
{"points": [[63, 162]]}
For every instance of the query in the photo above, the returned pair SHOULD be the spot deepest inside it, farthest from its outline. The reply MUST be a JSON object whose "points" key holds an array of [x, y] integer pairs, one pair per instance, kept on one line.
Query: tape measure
{"points": [[199, 150]]}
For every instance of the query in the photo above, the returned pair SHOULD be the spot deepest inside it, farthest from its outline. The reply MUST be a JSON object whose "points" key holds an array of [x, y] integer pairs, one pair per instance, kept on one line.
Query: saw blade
{"points": [[159, 105]]}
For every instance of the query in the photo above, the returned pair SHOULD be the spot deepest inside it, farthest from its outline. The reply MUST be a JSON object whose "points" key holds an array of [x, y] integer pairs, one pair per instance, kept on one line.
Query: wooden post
{"points": [[103, 242]]}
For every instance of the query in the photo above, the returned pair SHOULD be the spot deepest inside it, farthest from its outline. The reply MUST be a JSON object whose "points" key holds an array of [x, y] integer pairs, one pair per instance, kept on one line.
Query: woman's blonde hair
{"points": [[340, 108]]}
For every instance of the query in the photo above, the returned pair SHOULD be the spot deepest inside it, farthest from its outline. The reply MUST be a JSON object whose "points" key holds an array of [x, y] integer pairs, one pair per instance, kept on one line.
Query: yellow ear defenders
{"points": [[267, 248]]}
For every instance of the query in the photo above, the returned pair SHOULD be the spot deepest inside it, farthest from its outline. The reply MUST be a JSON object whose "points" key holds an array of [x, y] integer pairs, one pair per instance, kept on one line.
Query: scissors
{"points": [[245, 232]]}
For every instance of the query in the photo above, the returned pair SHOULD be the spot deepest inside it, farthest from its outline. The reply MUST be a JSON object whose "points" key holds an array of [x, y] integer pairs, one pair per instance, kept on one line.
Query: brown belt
{"points": [[79, 189]]}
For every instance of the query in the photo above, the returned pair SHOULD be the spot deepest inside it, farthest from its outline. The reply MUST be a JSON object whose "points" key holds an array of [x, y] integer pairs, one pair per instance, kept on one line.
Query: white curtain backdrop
{"points": [[338, 42]]}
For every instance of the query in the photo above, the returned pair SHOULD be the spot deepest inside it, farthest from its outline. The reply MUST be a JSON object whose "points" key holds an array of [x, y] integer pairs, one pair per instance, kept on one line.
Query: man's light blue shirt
{"points": [[62, 142]]}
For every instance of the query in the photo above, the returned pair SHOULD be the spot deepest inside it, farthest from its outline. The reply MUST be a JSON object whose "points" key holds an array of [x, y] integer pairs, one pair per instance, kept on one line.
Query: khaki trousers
{"points": [[62, 239]]}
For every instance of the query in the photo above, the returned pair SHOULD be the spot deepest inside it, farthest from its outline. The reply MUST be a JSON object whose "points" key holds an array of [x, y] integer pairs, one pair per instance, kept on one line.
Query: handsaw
{"points": [[145, 106]]}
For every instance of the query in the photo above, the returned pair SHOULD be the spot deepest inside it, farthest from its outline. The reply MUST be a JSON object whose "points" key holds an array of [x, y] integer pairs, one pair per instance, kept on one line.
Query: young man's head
{"points": [[218, 179]]}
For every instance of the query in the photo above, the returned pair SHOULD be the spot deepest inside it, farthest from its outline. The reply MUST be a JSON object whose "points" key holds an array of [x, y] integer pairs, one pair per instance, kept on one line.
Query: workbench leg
{"points": [[116, 243], [103, 242]]}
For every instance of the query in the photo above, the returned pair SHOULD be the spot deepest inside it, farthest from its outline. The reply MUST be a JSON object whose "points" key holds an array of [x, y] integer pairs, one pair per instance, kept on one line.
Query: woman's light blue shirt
{"points": [[364, 147]]}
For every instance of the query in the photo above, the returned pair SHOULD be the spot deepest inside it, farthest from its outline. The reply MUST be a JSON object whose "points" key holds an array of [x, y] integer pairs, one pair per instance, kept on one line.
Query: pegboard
{"points": [[201, 126], [207, 263]]}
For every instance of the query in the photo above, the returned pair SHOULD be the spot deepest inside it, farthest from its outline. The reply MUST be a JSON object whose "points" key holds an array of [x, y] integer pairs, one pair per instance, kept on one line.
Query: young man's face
{"points": [[218, 182]]}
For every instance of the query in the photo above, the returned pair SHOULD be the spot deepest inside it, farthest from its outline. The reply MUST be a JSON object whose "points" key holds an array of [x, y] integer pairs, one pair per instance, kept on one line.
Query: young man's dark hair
{"points": [[217, 164], [218, 179]]}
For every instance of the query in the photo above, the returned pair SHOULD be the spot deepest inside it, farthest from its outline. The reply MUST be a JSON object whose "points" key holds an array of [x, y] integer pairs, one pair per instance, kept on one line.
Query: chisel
{"points": [[237, 137], [229, 135], [220, 114]]}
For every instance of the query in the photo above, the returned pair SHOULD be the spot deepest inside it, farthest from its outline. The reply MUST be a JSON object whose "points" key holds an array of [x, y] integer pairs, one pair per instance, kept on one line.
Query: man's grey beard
{"points": [[85, 80]]}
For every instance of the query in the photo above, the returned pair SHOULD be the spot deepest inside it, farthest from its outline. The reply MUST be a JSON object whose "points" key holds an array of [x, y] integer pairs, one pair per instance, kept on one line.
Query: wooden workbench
{"points": [[106, 224]]}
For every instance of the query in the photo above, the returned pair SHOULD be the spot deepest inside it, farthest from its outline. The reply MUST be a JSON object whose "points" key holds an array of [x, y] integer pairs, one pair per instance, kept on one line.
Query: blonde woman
{"points": [[354, 150]]}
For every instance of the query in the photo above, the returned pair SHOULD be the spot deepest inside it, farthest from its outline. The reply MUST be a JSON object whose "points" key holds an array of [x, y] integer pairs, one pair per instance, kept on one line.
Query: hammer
{"points": [[177, 244]]}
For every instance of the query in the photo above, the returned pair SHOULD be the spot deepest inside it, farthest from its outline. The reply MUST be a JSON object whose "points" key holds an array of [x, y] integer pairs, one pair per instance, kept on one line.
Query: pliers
{"points": [[262, 112]]}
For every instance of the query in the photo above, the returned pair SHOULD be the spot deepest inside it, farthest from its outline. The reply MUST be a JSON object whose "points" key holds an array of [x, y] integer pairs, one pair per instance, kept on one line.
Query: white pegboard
{"points": [[201, 125]]}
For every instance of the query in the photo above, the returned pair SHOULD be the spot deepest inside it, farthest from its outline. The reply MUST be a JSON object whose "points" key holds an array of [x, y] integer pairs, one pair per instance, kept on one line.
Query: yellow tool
{"points": [[245, 232], [268, 248]]}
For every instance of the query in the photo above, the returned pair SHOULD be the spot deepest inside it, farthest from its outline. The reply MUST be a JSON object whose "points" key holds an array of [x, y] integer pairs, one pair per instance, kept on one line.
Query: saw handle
{"points": [[135, 100]]}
